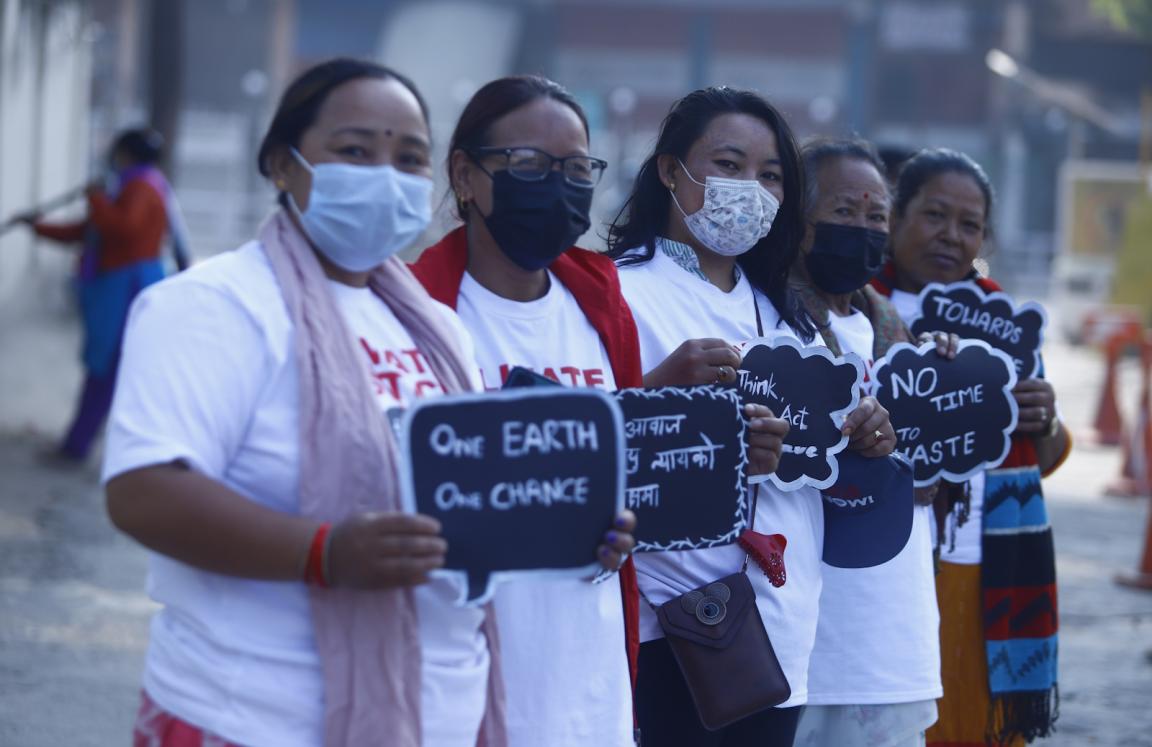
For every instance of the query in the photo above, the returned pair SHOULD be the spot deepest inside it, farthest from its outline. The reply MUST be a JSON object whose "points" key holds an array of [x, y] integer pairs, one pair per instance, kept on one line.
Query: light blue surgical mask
{"points": [[359, 216]]}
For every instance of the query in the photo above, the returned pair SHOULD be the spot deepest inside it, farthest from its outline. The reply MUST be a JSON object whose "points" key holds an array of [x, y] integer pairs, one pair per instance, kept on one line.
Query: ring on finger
{"points": [[878, 435], [1043, 414]]}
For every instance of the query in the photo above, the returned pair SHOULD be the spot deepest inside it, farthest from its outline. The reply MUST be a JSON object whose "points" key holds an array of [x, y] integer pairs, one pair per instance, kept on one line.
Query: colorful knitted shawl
{"points": [[1018, 581]]}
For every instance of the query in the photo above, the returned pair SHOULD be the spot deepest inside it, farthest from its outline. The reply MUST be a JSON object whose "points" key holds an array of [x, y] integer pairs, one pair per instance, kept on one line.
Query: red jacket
{"points": [[131, 227], [593, 281]]}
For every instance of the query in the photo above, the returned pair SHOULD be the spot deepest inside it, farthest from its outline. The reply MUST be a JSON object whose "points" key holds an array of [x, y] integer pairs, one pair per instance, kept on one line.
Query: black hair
{"points": [[819, 151], [496, 99], [143, 145], [646, 212], [303, 98], [894, 158], [928, 164]]}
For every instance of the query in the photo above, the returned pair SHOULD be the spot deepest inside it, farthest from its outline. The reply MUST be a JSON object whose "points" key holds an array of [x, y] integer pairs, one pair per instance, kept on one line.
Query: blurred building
{"points": [[901, 72]]}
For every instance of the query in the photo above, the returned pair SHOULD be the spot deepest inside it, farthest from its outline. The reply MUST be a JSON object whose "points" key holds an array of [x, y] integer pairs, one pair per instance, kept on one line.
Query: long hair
{"points": [[646, 212]]}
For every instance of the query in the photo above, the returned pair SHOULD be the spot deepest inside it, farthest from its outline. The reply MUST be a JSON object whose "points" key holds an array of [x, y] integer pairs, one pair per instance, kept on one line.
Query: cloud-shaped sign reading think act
{"points": [[523, 481], [811, 389], [953, 418], [967, 310]]}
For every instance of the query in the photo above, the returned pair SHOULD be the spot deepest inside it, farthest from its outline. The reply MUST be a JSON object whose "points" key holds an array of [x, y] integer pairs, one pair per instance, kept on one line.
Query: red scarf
{"points": [[592, 279]]}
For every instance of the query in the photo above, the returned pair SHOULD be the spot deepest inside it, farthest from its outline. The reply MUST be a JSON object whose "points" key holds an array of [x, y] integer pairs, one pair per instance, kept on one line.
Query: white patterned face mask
{"points": [[735, 215]]}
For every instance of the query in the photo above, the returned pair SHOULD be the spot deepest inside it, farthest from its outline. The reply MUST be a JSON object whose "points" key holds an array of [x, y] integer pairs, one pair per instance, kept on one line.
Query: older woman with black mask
{"points": [[870, 685]]}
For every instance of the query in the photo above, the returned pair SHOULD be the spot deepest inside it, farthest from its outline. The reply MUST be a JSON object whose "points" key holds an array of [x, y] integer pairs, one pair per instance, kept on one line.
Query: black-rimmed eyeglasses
{"points": [[533, 165]]}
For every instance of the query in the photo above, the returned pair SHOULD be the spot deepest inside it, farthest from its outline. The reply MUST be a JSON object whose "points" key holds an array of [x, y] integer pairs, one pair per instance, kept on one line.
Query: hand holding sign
{"points": [[686, 460], [521, 481], [813, 391], [967, 310], [384, 550], [953, 418]]}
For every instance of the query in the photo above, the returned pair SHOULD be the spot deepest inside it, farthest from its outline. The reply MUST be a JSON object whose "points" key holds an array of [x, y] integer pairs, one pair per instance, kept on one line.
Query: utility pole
{"points": [[166, 73]]}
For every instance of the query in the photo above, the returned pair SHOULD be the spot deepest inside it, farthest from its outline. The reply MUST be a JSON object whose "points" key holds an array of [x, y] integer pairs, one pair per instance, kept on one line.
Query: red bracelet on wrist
{"points": [[314, 569]]}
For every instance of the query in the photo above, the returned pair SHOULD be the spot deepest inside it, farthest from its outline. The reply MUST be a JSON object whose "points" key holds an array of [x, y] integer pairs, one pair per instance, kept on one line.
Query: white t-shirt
{"points": [[672, 305], [563, 652], [878, 636], [209, 376], [967, 547]]}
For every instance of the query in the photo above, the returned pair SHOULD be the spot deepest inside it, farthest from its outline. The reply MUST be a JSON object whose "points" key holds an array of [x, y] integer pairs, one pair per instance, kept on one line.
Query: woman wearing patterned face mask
{"points": [[704, 245], [523, 179], [873, 685], [248, 450]]}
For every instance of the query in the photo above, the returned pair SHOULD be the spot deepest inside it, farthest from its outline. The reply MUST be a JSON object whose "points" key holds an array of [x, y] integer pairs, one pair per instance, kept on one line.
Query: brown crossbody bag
{"points": [[723, 650]]}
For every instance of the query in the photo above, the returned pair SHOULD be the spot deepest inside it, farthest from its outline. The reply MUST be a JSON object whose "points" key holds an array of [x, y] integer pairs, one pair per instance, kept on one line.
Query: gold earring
{"points": [[280, 184], [672, 186]]}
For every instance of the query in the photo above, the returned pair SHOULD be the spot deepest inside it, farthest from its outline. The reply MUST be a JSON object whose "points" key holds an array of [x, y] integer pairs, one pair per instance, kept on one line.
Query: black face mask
{"points": [[536, 222], [844, 258]]}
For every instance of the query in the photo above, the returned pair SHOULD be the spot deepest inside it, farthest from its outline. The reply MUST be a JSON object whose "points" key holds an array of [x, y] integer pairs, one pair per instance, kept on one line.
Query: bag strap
{"points": [[751, 522]]}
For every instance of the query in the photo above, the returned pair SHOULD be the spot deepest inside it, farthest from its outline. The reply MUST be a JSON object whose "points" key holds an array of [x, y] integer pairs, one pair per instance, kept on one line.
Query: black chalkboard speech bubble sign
{"points": [[967, 310], [814, 391], [523, 481], [686, 462], [953, 418]]}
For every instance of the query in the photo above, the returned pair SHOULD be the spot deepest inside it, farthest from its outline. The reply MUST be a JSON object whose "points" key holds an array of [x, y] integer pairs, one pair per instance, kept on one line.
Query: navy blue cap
{"points": [[868, 510]]}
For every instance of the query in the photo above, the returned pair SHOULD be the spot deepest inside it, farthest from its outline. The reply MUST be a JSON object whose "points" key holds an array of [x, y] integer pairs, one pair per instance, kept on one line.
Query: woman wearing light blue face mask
{"points": [[248, 450]]}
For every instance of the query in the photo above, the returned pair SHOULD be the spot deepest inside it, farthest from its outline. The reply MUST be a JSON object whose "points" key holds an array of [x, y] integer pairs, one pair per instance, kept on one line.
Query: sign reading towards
{"points": [[686, 461], [811, 389], [953, 418], [523, 481], [967, 310]]}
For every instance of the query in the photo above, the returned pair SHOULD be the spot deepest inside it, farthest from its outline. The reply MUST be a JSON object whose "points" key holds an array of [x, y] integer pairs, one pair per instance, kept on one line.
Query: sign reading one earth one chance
{"points": [[523, 481], [686, 462]]}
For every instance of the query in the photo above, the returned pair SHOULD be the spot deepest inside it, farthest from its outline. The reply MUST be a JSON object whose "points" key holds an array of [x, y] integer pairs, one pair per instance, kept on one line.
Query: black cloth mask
{"points": [[536, 222], [844, 258]]}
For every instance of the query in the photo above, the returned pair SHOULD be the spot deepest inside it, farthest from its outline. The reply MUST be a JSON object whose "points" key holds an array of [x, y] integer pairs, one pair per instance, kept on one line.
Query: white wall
{"points": [[45, 73]]}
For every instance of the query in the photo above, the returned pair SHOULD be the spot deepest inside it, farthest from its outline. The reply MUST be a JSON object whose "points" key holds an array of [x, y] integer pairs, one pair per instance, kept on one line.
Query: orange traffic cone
{"points": [[1142, 578], [1136, 472], [1109, 425]]}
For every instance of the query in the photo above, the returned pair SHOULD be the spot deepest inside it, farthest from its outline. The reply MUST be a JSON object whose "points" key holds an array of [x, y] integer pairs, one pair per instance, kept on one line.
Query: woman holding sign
{"points": [[885, 674], [704, 244], [523, 179], [997, 584], [248, 450]]}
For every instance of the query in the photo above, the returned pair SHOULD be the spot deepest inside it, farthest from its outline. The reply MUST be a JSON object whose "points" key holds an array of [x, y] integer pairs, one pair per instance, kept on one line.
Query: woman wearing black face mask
{"points": [[886, 674], [523, 180]]}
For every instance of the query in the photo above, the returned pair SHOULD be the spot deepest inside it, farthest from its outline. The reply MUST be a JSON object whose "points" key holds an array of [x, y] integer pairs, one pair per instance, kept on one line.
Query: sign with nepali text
{"points": [[686, 461]]}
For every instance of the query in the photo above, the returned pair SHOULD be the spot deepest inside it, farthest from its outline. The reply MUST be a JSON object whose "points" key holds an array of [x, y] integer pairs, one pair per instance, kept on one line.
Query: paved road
{"points": [[73, 616]]}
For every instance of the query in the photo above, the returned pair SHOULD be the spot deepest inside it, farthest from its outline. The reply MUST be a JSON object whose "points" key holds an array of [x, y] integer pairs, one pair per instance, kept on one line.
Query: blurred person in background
{"points": [[997, 581], [522, 178], [704, 245], [121, 239], [873, 684]]}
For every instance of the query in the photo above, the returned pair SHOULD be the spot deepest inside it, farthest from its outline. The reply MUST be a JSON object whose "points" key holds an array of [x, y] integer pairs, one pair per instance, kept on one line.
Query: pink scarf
{"points": [[368, 642]]}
